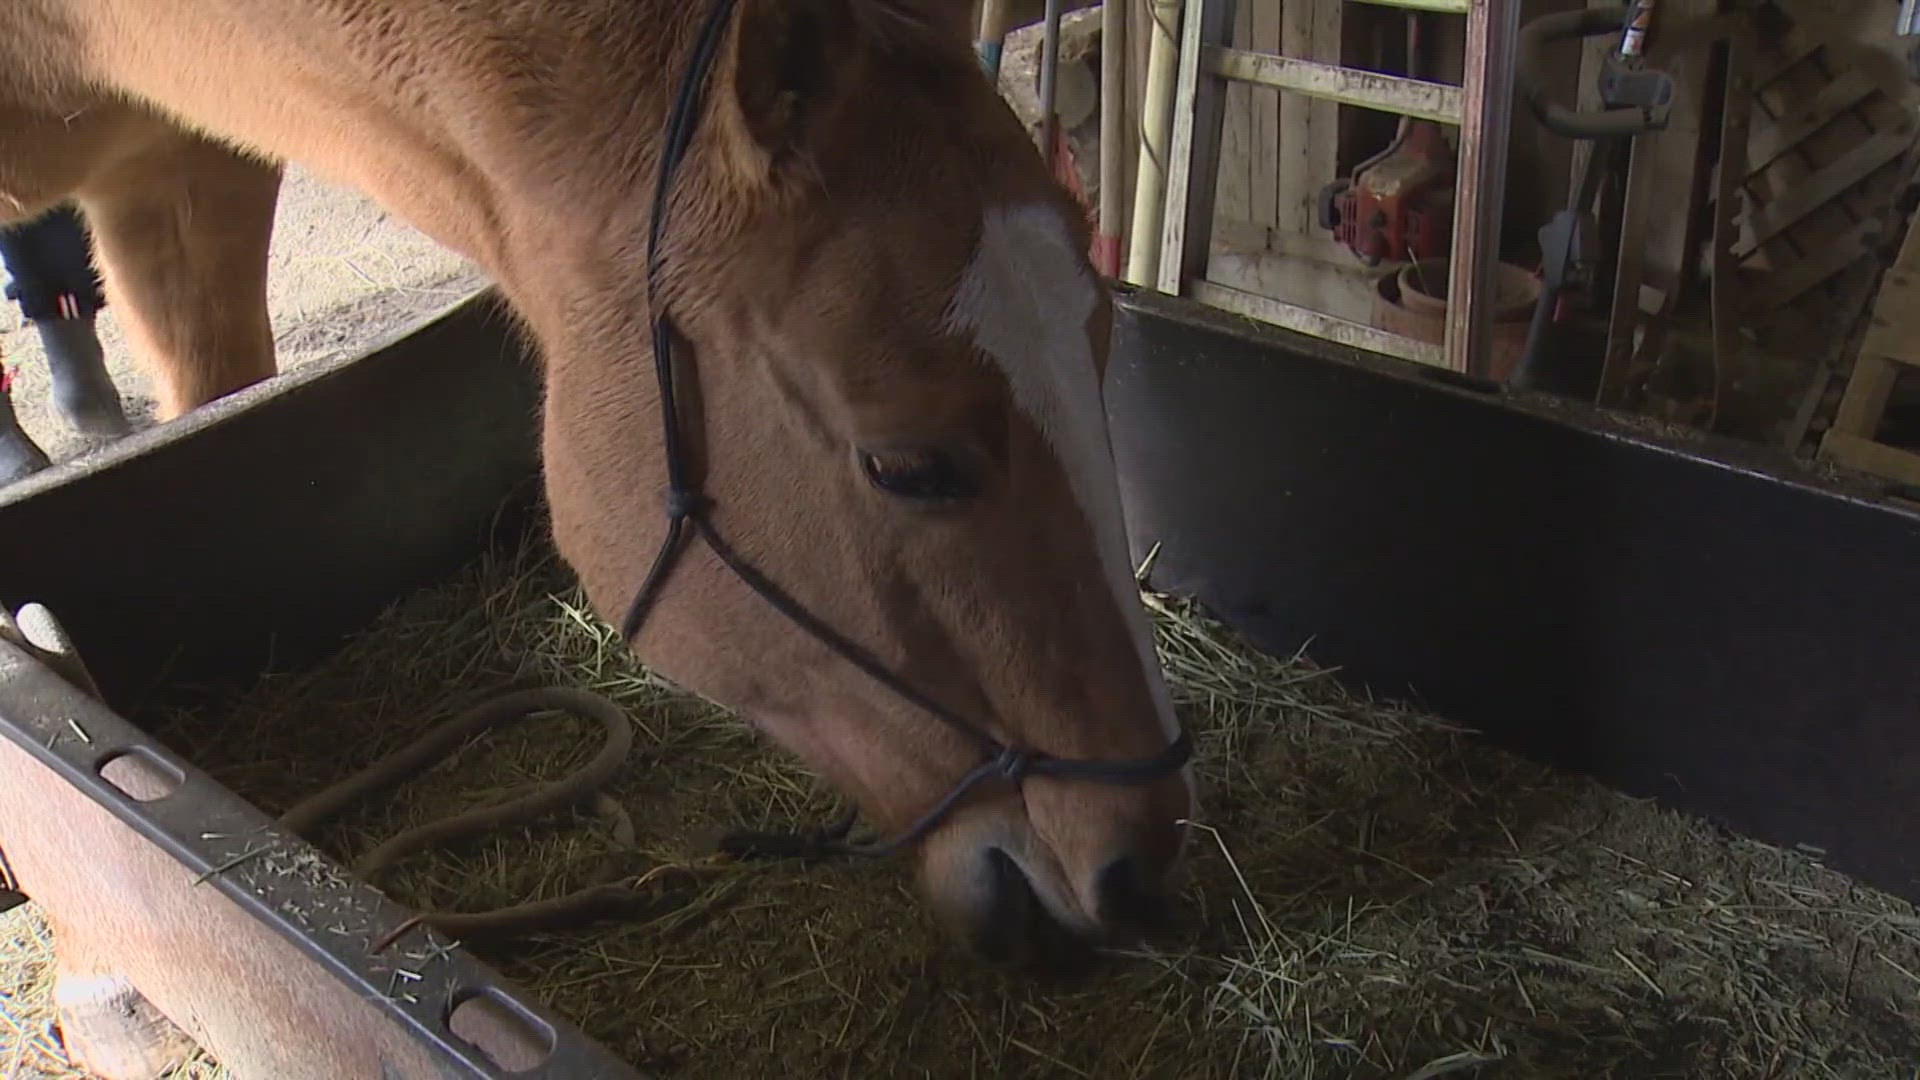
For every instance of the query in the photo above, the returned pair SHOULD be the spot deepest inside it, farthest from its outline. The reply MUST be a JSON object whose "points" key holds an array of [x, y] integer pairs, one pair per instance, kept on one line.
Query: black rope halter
{"points": [[687, 510]]}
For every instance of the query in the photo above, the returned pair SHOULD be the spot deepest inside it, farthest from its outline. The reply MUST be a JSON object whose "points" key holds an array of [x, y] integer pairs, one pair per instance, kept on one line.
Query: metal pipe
{"points": [[1050, 87], [1113, 137], [1156, 122]]}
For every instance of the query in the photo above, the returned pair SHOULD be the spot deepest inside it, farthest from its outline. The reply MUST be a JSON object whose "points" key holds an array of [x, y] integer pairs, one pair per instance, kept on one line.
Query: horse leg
{"points": [[55, 285], [181, 229]]}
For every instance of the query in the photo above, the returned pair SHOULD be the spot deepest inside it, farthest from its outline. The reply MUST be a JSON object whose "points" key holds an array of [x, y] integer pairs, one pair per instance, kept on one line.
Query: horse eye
{"points": [[929, 475]]}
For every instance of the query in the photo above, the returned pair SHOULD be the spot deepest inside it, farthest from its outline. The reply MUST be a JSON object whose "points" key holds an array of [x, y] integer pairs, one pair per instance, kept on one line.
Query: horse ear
{"points": [[784, 68], [790, 56]]}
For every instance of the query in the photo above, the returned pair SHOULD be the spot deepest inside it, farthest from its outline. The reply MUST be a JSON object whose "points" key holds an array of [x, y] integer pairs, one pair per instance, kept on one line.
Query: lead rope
{"points": [[579, 789], [687, 508], [36, 630]]}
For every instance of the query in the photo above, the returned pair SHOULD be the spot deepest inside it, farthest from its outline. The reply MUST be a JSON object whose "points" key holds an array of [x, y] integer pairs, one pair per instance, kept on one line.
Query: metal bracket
{"points": [[1623, 87]]}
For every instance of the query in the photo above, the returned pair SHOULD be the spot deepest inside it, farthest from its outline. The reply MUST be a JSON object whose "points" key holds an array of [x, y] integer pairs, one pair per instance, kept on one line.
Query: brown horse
{"points": [[897, 336]]}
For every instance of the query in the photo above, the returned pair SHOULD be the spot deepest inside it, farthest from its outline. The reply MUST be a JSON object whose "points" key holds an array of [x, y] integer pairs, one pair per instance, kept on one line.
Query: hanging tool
{"points": [[1398, 204], [1634, 101]]}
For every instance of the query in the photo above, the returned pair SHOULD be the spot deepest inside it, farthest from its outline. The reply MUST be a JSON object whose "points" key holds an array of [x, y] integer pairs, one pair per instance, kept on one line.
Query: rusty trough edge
{"points": [[278, 879]]}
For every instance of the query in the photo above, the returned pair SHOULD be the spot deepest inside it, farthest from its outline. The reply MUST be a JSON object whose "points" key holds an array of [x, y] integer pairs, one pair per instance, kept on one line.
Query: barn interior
{"points": [[1599, 769]]}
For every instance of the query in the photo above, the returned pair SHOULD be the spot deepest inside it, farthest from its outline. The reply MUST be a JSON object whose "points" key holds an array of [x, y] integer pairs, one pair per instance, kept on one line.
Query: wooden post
{"points": [[1486, 105], [1194, 151], [1309, 139]]}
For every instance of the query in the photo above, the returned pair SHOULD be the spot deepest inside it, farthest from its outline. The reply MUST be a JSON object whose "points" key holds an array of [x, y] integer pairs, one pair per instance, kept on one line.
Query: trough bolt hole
{"points": [[510, 1037], [139, 775]]}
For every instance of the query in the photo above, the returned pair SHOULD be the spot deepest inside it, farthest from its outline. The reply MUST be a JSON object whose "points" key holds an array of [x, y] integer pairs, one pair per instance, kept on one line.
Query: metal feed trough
{"points": [[1676, 617]]}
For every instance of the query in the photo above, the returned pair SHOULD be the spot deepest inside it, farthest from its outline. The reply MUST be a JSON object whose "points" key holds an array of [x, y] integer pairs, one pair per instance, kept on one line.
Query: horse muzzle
{"points": [[1017, 901]]}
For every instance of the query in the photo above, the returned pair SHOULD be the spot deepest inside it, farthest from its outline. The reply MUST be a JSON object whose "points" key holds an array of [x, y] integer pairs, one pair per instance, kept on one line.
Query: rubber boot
{"points": [[83, 391], [20, 456]]}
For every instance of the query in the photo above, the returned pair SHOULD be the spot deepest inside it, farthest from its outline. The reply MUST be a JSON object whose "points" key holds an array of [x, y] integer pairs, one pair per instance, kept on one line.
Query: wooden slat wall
{"points": [[1309, 129], [1248, 203]]}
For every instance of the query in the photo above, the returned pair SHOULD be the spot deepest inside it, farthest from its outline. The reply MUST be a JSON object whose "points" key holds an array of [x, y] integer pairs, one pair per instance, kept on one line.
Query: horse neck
{"points": [[463, 120]]}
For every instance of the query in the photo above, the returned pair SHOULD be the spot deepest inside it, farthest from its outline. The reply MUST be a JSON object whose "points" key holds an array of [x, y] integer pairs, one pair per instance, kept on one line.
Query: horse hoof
{"points": [[87, 400], [19, 457], [101, 420], [83, 389], [111, 1032]]}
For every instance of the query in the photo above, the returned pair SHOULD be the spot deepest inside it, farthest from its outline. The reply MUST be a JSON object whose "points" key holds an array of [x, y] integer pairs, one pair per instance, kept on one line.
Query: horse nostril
{"points": [[999, 925], [1011, 926], [1128, 898]]}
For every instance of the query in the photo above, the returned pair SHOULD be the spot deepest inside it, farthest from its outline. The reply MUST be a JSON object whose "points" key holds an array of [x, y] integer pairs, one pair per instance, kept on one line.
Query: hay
{"points": [[30, 1047], [1374, 894]]}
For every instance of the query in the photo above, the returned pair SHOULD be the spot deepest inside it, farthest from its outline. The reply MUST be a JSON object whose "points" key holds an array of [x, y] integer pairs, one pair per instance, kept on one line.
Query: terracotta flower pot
{"points": [[1412, 302]]}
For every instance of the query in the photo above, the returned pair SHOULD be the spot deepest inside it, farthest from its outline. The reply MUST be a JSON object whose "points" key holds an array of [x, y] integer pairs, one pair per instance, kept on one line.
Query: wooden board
{"points": [[1821, 187], [1866, 455], [1726, 301], [1892, 342], [1774, 139], [1309, 127]]}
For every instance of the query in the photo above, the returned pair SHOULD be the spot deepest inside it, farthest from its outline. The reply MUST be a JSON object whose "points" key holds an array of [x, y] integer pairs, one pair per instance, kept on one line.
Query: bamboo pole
{"points": [[1149, 193]]}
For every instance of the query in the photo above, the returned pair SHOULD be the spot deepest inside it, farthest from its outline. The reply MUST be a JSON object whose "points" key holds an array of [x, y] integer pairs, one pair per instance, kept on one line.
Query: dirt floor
{"points": [[343, 274]]}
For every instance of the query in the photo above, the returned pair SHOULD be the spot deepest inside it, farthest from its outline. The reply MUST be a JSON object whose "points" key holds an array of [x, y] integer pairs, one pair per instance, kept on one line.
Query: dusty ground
{"points": [[344, 273]]}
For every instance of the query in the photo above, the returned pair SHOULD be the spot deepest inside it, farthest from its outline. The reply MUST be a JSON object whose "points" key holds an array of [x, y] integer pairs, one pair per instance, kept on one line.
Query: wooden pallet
{"points": [[1834, 118], [1797, 213], [1891, 345]]}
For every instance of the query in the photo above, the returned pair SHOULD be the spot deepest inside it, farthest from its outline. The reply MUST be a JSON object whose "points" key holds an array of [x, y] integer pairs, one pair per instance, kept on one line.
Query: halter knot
{"points": [[685, 504], [1013, 764]]}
